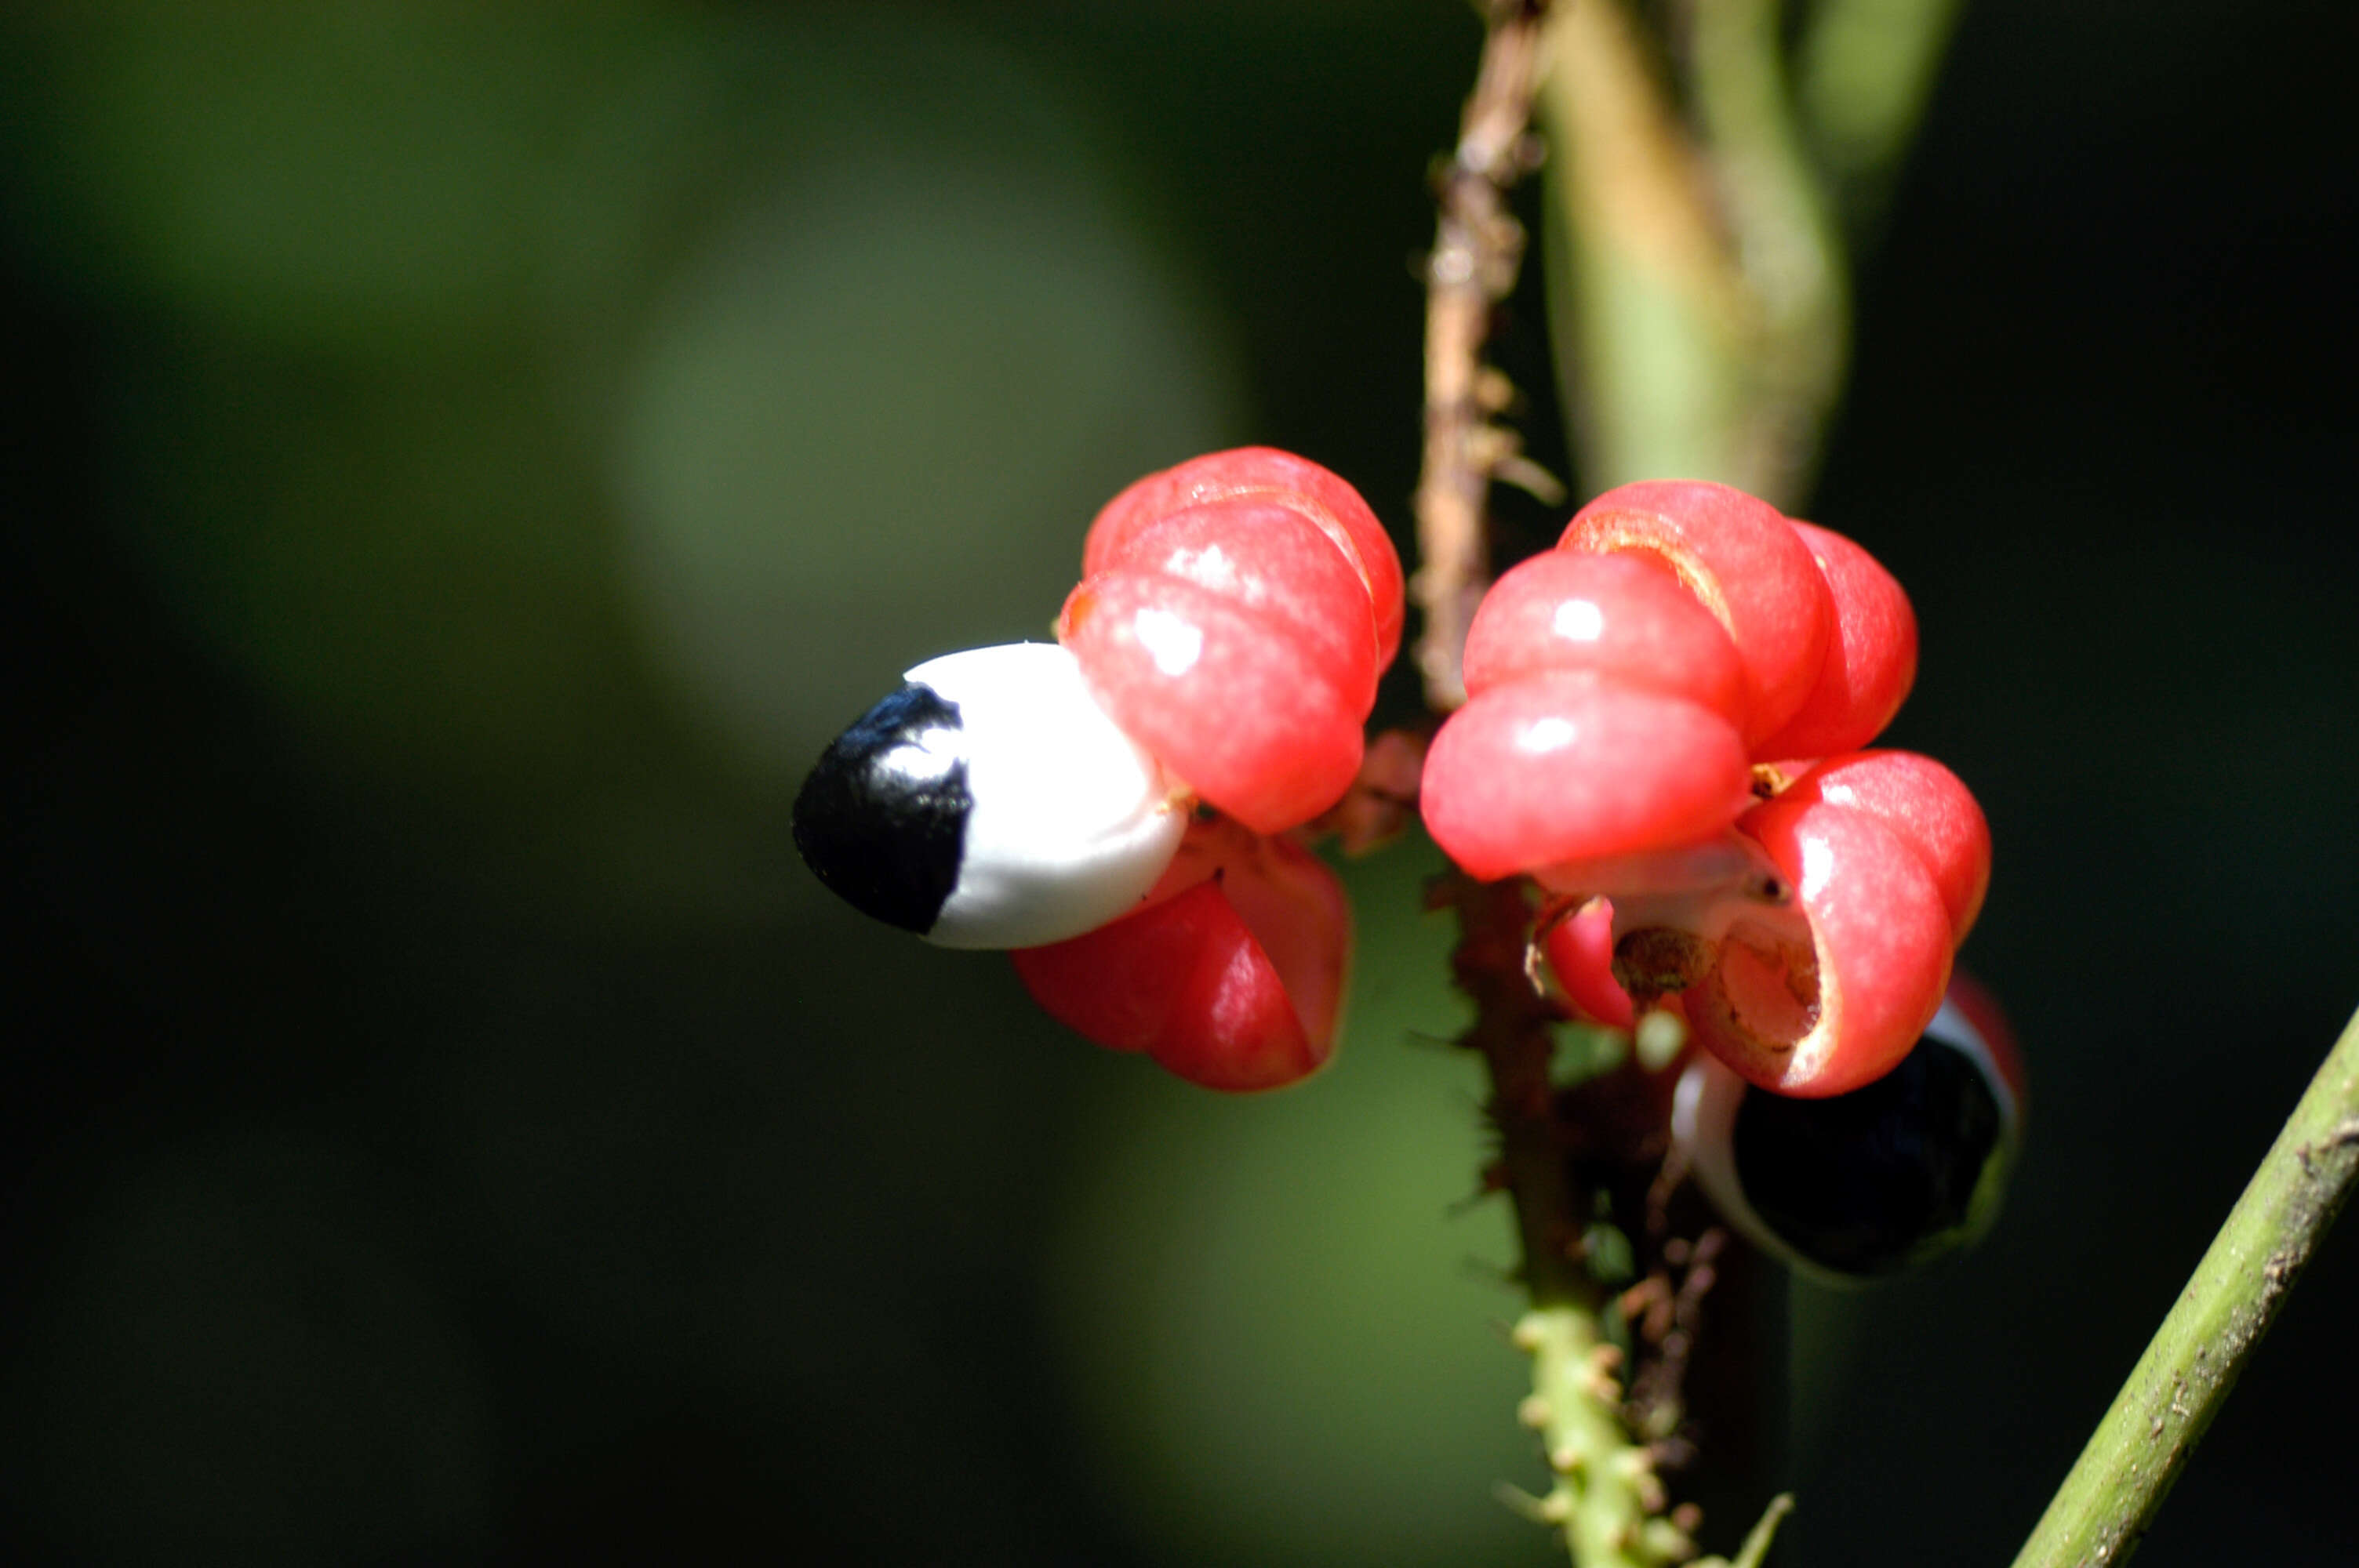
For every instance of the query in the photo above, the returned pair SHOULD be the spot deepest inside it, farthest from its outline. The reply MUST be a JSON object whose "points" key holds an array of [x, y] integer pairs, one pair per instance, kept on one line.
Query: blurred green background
{"points": [[460, 467]]}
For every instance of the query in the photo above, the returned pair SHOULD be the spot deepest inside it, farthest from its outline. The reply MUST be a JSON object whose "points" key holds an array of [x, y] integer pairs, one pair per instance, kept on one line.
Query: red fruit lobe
{"points": [[1871, 659], [1321, 495], [1298, 914], [1235, 981], [1619, 616], [1233, 701], [1273, 561], [1571, 766], [1581, 955], [1183, 982], [1743, 562], [1927, 807], [1826, 1014]]}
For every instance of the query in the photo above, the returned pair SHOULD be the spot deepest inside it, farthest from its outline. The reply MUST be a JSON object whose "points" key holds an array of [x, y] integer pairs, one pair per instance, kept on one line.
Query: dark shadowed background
{"points": [[457, 472]]}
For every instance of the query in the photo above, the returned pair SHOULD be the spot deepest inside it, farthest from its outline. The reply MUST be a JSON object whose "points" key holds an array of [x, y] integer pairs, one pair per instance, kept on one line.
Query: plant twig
{"points": [[2138, 1451], [1607, 1499], [1478, 245], [1512, 1031], [1605, 1496]]}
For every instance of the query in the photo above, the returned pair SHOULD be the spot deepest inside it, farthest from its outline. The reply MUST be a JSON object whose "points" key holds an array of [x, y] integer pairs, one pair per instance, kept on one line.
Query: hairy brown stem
{"points": [[1478, 246], [1561, 1162], [1511, 1029]]}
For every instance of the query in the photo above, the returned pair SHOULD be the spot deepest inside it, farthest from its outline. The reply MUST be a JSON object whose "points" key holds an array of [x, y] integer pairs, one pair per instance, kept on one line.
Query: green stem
{"points": [[1697, 296], [1646, 306], [1607, 1499], [1865, 69], [1783, 239], [2127, 1468], [1605, 1496]]}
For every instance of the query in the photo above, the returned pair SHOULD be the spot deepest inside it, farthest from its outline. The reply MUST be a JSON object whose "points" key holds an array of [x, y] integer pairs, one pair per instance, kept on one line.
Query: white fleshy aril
{"points": [[1850, 1240], [1070, 822], [1703, 1115]]}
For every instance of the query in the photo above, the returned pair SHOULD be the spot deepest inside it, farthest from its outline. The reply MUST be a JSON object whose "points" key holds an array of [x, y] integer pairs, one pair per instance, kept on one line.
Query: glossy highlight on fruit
{"points": [[1811, 980], [1926, 806], [1235, 706], [1620, 617], [1264, 473], [1569, 766]]}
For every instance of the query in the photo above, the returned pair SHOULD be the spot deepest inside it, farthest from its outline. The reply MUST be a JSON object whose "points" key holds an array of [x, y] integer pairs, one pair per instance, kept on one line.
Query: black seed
{"points": [[882, 820], [1868, 1181]]}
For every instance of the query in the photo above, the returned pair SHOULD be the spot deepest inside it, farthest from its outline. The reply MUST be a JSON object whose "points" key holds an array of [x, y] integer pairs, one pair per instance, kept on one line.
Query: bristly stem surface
{"points": [[1478, 246], [1605, 1497]]}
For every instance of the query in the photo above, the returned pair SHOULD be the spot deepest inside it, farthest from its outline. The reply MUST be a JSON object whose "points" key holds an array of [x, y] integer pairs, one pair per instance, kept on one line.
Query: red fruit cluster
{"points": [[1632, 694], [1234, 615]]}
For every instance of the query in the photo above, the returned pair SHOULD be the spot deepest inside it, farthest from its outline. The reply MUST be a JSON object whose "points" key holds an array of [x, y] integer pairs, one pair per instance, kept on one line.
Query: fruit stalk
{"points": [[2138, 1451]]}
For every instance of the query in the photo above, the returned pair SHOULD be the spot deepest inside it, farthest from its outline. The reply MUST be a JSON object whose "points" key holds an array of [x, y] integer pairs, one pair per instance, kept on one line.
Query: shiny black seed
{"points": [[1866, 1182], [882, 820]]}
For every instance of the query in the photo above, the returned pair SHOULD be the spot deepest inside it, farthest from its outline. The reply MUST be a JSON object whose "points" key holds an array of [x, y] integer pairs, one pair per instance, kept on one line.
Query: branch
{"points": [[1607, 1499], [1477, 247], [2138, 1451], [1512, 1031]]}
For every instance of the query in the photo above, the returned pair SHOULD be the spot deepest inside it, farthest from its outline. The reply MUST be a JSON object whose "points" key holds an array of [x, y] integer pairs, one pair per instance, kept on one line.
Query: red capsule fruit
{"points": [[1236, 615], [1926, 805], [1580, 952], [1829, 994], [1269, 559], [1228, 700]]}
